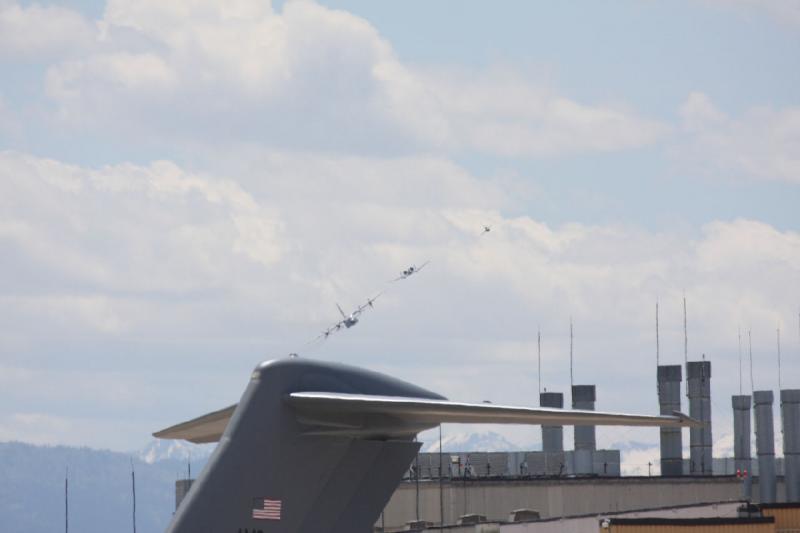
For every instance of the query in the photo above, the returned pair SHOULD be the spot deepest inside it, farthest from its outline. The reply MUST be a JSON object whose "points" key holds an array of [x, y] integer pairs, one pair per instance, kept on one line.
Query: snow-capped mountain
{"points": [[459, 442], [644, 458], [160, 450]]}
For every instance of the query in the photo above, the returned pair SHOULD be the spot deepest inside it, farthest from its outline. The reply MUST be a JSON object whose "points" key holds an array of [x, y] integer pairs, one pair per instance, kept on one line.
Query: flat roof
{"points": [[715, 521]]}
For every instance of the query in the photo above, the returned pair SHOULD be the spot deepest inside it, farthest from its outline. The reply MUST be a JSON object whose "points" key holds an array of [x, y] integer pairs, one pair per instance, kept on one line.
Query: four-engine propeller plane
{"points": [[349, 320]]}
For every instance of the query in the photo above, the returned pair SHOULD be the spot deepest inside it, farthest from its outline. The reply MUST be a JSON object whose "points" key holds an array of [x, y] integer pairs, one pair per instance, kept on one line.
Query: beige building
{"points": [[551, 497]]}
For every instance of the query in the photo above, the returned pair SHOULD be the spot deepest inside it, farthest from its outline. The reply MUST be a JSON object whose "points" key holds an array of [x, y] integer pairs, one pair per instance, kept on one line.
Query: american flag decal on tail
{"points": [[266, 509]]}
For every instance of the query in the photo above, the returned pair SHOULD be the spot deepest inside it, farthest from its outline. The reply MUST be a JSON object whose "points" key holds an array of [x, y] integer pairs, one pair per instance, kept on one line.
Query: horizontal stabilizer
{"points": [[337, 407], [366, 414], [206, 428]]}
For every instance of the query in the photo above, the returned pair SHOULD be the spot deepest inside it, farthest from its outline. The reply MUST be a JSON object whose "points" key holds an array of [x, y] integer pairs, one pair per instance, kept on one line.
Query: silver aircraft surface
{"points": [[319, 447]]}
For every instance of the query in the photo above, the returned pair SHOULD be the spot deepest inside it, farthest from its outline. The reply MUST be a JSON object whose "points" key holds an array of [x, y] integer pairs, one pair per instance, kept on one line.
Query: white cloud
{"points": [[43, 428], [91, 232], [312, 77], [157, 254], [335, 227], [763, 143], [35, 30], [785, 12], [500, 112]]}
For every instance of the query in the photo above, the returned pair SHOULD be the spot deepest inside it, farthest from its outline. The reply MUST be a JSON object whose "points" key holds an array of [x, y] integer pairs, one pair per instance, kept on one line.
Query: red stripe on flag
{"points": [[269, 510]]}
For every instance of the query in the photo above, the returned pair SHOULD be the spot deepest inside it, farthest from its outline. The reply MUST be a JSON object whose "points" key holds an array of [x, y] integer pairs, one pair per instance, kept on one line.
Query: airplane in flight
{"points": [[410, 271], [319, 447], [348, 321]]}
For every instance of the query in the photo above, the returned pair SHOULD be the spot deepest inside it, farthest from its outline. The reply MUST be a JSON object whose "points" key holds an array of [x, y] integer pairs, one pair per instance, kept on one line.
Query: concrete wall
{"points": [[555, 498], [590, 524]]}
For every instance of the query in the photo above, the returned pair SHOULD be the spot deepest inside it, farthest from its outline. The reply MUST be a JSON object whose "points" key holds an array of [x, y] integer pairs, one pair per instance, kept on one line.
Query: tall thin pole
{"points": [[416, 483], [685, 345], [133, 491], [750, 347], [441, 480], [539, 351], [685, 334], [570, 354], [779, 357], [740, 360], [66, 501], [658, 347]]}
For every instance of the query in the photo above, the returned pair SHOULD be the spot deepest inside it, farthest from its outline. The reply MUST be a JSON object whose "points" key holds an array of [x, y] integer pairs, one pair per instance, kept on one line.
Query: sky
{"points": [[189, 188]]}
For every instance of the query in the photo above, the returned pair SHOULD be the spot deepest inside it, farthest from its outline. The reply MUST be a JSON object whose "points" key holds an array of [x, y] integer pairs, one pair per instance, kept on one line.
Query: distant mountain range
{"points": [[643, 458], [175, 450], [459, 442], [100, 486]]}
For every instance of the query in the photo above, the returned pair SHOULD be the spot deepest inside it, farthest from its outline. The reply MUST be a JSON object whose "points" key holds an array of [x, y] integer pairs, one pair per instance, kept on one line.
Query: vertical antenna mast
{"points": [[779, 357], [133, 492], [657, 344], [66, 501], [685, 333], [539, 351], [740, 360], [441, 480], [750, 343], [685, 345], [570, 354]]}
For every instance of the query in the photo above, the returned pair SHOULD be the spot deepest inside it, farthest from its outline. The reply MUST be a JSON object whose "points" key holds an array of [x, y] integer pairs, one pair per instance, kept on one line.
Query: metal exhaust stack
{"points": [[698, 374], [790, 414], [765, 445], [741, 440], [669, 401], [583, 397], [552, 436]]}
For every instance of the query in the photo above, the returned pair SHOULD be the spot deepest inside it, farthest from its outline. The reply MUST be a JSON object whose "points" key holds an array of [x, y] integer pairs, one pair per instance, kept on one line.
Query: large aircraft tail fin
{"points": [[274, 473], [316, 447]]}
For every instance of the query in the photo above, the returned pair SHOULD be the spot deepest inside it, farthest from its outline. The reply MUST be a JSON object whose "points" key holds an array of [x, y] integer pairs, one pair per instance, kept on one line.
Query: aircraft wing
{"points": [[322, 406], [368, 414], [370, 301], [206, 428]]}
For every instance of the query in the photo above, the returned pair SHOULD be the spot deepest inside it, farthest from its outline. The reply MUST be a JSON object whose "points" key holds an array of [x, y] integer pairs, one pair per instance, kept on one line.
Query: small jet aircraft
{"points": [[410, 271]]}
